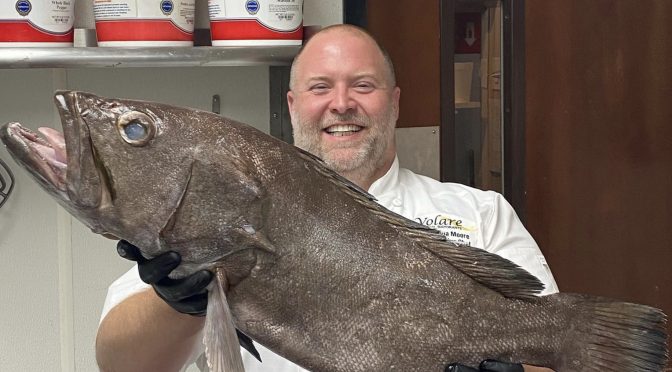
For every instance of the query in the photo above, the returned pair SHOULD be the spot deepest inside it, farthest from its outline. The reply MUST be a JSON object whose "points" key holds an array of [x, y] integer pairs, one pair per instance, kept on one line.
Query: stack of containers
{"points": [[256, 22], [147, 23], [144, 23], [36, 23]]}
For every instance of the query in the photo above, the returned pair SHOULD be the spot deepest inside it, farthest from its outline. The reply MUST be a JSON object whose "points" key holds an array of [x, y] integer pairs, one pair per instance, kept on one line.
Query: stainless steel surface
{"points": [[84, 14], [418, 150], [146, 57], [85, 37]]}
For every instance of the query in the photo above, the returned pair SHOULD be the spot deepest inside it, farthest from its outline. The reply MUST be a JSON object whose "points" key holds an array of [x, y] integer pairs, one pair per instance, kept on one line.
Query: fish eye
{"points": [[135, 131], [136, 128]]}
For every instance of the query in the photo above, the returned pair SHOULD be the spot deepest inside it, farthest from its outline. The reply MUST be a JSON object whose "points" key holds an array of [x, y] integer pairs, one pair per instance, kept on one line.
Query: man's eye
{"points": [[364, 87], [319, 88]]}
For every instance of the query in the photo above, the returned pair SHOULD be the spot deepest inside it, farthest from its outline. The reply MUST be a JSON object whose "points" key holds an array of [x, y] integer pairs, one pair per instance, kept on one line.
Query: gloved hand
{"points": [[486, 366], [187, 295]]}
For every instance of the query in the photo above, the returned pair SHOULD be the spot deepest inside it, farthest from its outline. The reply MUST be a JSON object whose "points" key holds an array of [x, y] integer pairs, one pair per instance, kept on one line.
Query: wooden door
{"points": [[599, 145], [409, 31]]}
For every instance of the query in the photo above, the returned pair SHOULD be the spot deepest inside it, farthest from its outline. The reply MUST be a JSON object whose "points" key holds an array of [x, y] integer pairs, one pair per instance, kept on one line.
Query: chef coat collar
{"points": [[387, 182]]}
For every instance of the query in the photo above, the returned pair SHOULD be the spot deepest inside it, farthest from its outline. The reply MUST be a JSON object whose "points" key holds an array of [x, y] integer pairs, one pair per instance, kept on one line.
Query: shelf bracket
{"points": [[216, 104]]}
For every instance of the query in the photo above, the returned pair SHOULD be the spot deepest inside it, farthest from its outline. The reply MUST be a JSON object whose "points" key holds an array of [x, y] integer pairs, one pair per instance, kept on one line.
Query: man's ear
{"points": [[395, 102], [290, 104]]}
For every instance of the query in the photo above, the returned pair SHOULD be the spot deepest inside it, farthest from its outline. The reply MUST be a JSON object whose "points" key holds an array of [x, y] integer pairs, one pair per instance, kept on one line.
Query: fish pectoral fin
{"points": [[219, 333], [489, 269], [214, 211], [247, 237]]}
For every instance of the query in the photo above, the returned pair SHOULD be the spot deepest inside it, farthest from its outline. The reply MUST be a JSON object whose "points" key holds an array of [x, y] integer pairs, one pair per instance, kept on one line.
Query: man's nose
{"points": [[341, 101]]}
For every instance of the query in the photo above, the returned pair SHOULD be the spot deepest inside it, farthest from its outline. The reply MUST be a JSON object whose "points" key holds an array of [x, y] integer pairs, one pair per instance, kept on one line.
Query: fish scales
{"points": [[377, 285], [313, 267]]}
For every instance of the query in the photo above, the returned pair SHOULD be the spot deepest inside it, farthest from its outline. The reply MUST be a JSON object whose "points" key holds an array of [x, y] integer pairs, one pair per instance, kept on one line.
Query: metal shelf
{"points": [[98, 57]]}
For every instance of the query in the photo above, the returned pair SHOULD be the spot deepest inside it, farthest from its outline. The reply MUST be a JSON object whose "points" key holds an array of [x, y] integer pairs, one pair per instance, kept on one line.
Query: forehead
{"points": [[340, 52]]}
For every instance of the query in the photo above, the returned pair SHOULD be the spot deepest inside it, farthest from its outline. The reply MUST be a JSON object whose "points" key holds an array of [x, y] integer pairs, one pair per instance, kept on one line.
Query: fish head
{"points": [[121, 167]]}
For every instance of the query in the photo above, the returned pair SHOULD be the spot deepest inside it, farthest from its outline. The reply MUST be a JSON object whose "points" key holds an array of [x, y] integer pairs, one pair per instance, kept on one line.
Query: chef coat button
{"points": [[396, 202]]}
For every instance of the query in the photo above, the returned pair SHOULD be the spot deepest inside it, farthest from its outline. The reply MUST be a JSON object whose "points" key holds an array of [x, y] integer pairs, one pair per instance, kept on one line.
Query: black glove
{"points": [[187, 295], [486, 366]]}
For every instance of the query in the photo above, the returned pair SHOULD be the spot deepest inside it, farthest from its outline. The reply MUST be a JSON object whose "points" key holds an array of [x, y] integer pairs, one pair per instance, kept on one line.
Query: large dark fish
{"points": [[311, 266]]}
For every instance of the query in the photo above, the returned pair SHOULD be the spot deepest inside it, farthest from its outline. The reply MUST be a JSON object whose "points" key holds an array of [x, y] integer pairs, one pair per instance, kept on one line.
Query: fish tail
{"points": [[219, 334], [615, 336]]}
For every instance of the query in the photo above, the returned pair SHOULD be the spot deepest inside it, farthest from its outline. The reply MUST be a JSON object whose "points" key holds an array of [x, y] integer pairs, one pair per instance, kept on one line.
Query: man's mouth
{"points": [[341, 130]]}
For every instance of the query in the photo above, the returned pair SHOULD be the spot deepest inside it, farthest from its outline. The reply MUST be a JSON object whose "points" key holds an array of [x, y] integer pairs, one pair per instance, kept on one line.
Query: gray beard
{"points": [[366, 159]]}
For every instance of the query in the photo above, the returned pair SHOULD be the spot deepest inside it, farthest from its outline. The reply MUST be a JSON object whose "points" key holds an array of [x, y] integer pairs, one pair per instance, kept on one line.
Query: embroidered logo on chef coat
{"points": [[455, 229]]}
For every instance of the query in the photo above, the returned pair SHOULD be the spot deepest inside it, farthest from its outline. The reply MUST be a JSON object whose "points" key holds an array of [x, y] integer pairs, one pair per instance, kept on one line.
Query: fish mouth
{"points": [[43, 153], [64, 164]]}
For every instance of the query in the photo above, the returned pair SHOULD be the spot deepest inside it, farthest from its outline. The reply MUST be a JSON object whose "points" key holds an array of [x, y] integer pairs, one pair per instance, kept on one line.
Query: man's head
{"points": [[344, 103]]}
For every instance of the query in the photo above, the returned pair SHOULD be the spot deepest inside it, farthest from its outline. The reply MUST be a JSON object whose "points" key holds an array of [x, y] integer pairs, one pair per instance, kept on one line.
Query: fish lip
{"points": [[83, 180]]}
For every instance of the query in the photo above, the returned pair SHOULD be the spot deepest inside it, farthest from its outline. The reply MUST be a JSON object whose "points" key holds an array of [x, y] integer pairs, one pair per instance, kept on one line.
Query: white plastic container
{"points": [[256, 22], [144, 23], [36, 23]]}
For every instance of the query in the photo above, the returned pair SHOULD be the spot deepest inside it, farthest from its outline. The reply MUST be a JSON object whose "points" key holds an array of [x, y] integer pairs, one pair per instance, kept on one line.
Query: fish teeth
{"points": [[31, 136]]}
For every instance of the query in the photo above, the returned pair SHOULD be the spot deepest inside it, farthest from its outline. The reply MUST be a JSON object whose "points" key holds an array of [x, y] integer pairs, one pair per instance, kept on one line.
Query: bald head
{"points": [[347, 31]]}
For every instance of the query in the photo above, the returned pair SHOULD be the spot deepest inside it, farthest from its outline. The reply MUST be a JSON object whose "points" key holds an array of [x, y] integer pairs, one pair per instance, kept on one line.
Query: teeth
{"points": [[341, 134], [32, 137], [338, 130]]}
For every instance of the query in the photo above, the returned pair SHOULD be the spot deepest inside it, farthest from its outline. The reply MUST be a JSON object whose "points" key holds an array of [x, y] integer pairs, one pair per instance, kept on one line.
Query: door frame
{"points": [[513, 93], [513, 103], [513, 99]]}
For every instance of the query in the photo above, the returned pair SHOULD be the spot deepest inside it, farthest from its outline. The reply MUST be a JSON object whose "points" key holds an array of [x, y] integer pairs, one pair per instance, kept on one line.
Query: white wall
{"points": [[54, 273], [29, 252]]}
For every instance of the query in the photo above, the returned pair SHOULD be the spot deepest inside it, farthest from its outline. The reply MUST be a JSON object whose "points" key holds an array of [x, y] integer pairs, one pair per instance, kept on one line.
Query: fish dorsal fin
{"points": [[491, 270], [323, 169], [219, 333]]}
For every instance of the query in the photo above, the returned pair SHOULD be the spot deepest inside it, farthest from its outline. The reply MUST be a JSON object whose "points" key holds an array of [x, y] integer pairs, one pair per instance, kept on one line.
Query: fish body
{"points": [[311, 266]]}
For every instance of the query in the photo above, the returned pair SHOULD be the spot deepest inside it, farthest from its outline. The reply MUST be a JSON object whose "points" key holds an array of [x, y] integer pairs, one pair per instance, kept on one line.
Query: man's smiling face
{"points": [[343, 102]]}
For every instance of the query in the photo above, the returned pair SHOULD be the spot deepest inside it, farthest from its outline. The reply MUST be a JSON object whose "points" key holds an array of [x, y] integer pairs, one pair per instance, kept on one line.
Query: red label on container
{"points": [[25, 31], [140, 30], [250, 29]]}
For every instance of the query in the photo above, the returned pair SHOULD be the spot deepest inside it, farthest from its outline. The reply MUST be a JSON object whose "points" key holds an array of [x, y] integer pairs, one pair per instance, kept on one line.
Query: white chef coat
{"points": [[465, 215]]}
